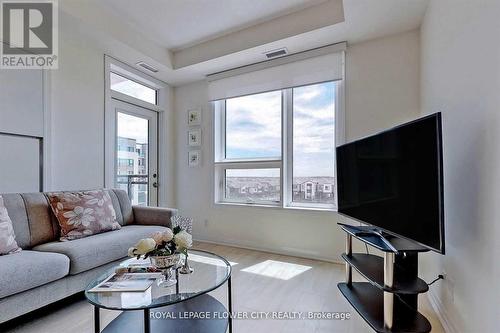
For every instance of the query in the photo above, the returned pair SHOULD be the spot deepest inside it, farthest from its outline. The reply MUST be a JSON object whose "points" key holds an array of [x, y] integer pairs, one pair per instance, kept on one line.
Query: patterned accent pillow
{"points": [[81, 214], [8, 242]]}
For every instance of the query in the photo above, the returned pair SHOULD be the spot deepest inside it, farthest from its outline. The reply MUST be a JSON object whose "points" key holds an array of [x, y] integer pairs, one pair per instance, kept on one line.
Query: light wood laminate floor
{"points": [[261, 282]]}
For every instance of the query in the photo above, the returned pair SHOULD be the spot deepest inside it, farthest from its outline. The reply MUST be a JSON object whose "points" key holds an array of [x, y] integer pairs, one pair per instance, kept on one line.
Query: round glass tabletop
{"points": [[210, 272]]}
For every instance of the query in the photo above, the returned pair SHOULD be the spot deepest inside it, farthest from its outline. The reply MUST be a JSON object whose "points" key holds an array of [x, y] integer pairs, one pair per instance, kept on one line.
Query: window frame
{"points": [[338, 139], [284, 163], [222, 163], [129, 73]]}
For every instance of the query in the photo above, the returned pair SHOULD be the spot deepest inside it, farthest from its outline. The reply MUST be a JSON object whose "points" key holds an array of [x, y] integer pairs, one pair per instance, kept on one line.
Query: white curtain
{"points": [[278, 74]]}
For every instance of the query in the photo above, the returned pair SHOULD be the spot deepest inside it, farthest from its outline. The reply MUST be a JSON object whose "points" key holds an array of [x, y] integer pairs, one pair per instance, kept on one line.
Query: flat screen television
{"points": [[393, 180]]}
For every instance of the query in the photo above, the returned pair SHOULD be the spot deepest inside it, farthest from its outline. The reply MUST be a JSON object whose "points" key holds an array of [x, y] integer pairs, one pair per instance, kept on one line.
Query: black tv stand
{"points": [[388, 302]]}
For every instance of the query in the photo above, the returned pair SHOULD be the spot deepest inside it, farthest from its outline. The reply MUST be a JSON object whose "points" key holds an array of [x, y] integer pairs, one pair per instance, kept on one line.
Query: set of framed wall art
{"points": [[194, 137]]}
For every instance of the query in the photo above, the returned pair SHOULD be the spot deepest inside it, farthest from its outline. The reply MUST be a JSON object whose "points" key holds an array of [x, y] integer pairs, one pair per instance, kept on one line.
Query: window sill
{"points": [[236, 204], [241, 204], [321, 209]]}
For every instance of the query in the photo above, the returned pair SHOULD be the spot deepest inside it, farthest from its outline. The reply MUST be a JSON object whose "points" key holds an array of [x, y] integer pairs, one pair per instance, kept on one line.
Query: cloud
{"points": [[247, 173], [306, 94], [248, 125], [254, 124]]}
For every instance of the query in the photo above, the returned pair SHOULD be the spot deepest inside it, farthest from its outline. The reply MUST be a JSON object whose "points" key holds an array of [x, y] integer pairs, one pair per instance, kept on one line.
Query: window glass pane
{"points": [[131, 88], [253, 185], [314, 143], [132, 157], [253, 126]]}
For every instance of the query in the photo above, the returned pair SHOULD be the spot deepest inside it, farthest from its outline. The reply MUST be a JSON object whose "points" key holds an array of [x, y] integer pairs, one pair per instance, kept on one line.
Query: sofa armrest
{"points": [[153, 215]]}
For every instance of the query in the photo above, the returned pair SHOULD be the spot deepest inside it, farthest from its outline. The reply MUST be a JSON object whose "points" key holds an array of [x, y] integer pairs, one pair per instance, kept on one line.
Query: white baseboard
{"points": [[272, 250], [443, 315]]}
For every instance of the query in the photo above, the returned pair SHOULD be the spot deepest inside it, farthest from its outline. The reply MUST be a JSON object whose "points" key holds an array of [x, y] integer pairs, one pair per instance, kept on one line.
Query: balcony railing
{"points": [[127, 182]]}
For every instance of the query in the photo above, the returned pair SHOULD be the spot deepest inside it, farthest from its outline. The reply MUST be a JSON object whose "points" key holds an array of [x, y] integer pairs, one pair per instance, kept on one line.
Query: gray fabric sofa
{"points": [[48, 270]]}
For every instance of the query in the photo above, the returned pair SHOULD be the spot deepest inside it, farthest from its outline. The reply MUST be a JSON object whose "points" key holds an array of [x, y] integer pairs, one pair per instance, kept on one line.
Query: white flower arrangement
{"points": [[163, 243]]}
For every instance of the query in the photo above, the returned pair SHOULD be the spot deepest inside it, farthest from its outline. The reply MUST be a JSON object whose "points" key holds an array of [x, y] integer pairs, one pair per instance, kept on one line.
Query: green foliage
{"points": [[159, 252]]}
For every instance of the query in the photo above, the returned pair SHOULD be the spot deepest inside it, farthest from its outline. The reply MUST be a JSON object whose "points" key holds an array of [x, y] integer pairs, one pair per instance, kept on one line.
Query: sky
{"points": [[253, 173], [132, 88], [254, 128], [132, 127]]}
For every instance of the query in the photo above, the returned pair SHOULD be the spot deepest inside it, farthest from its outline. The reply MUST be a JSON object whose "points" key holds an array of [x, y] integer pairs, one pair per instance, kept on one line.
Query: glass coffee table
{"points": [[184, 307]]}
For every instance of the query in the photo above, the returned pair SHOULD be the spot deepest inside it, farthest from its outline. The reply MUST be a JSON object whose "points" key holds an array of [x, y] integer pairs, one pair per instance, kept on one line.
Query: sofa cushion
{"points": [[116, 205], [8, 242], [41, 224], [81, 214], [125, 206], [29, 269], [96, 250], [17, 213]]}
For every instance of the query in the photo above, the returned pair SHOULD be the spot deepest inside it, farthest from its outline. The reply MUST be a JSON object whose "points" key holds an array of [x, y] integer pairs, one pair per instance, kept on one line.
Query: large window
{"points": [[278, 148]]}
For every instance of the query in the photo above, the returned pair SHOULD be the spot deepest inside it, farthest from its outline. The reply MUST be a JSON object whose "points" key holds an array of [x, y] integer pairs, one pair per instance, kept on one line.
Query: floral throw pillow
{"points": [[8, 242], [81, 214]]}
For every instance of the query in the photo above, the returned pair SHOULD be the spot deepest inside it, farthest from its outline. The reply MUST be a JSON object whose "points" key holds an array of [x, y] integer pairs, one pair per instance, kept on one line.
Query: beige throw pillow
{"points": [[81, 214], [8, 242]]}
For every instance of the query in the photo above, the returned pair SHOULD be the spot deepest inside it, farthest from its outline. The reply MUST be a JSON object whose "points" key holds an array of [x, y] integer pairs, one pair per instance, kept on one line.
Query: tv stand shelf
{"points": [[371, 267], [369, 303], [388, 302]]}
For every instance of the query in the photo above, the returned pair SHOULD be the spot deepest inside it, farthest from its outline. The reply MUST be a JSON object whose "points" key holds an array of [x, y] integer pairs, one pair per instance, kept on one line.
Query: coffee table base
{"points": [[135, 321]]}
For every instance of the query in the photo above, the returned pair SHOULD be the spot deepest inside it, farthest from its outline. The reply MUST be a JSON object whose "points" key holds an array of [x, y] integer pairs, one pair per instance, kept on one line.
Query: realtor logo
{"points": [[29, 34]]}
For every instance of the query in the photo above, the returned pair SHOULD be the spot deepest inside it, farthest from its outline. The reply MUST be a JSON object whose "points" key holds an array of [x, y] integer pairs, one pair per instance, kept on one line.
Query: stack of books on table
{"points": [[137, 275]]}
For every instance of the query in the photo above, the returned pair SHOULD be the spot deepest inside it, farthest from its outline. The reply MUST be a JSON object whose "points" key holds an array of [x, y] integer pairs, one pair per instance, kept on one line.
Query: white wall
{"points": [[460, 61], [388, 65], [383, 84], [77, 113]]}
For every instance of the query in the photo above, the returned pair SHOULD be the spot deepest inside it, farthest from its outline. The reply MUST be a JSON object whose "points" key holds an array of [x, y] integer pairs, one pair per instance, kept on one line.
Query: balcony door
{"points": [[136, 153]]}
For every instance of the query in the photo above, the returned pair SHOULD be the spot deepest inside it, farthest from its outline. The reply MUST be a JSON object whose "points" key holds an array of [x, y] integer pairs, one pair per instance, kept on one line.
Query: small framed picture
{"points": [[194, 137], [194, 157], [194, 117]]}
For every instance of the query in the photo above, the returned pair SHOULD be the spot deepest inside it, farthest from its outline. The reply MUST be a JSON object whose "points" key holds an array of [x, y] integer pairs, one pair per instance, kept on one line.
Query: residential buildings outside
{"points": [[305, 189], [132, 169], [313, 189]]}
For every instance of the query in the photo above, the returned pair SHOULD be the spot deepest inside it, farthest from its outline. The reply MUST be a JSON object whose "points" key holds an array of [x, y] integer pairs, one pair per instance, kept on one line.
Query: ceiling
{"points": [[176, 24], [188, 39]]}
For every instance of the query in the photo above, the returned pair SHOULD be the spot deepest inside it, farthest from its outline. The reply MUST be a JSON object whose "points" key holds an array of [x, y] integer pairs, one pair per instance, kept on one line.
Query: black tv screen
{"points": [[394, 181]]}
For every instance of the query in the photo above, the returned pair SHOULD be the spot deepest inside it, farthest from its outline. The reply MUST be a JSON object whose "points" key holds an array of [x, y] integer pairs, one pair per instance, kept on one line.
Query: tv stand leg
{"points": [[409, 262], [348, 252], [389, 282]]}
